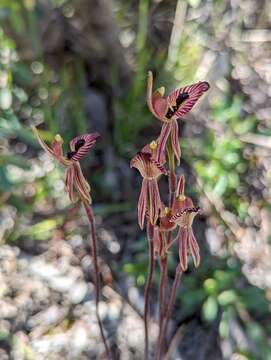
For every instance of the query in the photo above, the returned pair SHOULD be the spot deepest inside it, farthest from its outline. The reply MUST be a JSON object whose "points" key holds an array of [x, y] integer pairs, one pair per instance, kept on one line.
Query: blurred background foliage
{"points": [[77, 66]]}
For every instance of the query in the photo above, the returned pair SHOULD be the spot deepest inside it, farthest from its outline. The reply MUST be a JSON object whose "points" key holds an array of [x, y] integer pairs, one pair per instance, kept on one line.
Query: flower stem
{"points": [[90, 216], [148, 287], [163, 320], [162, 287], [178, 274]]}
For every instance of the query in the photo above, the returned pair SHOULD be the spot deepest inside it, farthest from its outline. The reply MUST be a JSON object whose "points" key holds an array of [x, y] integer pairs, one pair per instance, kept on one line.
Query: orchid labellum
{"points": [[76, 184], [169, 109]]}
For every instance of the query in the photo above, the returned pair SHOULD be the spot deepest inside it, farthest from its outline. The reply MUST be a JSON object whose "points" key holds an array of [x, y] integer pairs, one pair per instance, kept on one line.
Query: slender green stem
{"points": [[90, 216], [148, 288]]}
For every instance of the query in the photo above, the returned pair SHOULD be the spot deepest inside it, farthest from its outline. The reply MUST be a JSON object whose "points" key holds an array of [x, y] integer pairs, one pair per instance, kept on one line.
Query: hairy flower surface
{"points": [[149, 199], [169, 109], [76, 184]]}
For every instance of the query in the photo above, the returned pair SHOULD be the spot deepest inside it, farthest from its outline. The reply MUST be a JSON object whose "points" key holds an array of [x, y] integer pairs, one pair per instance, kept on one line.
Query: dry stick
{"points": [[90, 216], [148, 287], [178, 274]]}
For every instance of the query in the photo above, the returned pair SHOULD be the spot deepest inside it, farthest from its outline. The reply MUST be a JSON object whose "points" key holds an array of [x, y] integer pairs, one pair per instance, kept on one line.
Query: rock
{"points": [[7, 310], [78, 292]]}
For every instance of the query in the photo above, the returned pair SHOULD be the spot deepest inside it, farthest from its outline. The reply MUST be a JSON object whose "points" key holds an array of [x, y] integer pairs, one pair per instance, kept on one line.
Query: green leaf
{"points": [[209, 309], [5, 99], [16, 160], [211, 286], [227, 297]]}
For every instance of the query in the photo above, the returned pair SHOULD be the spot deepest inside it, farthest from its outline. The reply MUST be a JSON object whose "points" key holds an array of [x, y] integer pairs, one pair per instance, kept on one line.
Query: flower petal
{"points": [[194, 248], [183, 239], [182, 100], [81, 183], [147, 166], [154, 201], [180, 186], [175, 140], [56, 151], [45, 147], [142, 203], [69, 183], [156, 103], [162, 141], [181, 204], [81, 145], [183, 218]]}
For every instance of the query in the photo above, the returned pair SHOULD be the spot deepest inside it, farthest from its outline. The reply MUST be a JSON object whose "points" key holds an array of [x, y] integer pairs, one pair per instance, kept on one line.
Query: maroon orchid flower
{"points": [[76, 184], [186, 237], [184, 212], [149, 199], [161, 230], [169, 109]]}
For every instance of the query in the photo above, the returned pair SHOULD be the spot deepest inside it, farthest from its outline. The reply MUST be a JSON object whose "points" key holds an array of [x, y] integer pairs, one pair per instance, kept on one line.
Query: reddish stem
{"points": [[162, 288], [148, 288], [90, 216], [163, 330]]}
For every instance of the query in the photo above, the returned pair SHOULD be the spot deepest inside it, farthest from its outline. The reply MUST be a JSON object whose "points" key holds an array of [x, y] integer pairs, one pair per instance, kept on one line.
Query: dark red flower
{"points": [[169, 109], [149, 199], [182, 215], [75, 182], [186, 237]]}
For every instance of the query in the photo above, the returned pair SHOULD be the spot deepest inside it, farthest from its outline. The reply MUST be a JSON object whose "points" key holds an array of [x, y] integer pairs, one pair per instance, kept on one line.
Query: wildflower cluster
{"points": [[180, 212]]}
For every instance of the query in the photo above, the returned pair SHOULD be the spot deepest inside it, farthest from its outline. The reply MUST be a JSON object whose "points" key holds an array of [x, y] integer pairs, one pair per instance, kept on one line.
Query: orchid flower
{"points": [[184, 212], [76, 184], [149, 199], [169, 109], [161, 229], [152, 148], [181, 201]]}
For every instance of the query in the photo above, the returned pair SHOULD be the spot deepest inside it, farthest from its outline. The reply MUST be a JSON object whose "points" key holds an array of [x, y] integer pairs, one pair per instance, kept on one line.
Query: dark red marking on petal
{"points": [[194, 91], [70, 154], [180, 99], [185, 211], [79, 144]]}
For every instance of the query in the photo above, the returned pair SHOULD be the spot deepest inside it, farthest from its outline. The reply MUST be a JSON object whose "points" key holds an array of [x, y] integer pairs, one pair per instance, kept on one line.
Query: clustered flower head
{"points": [[151, 161], [77, 186]]}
